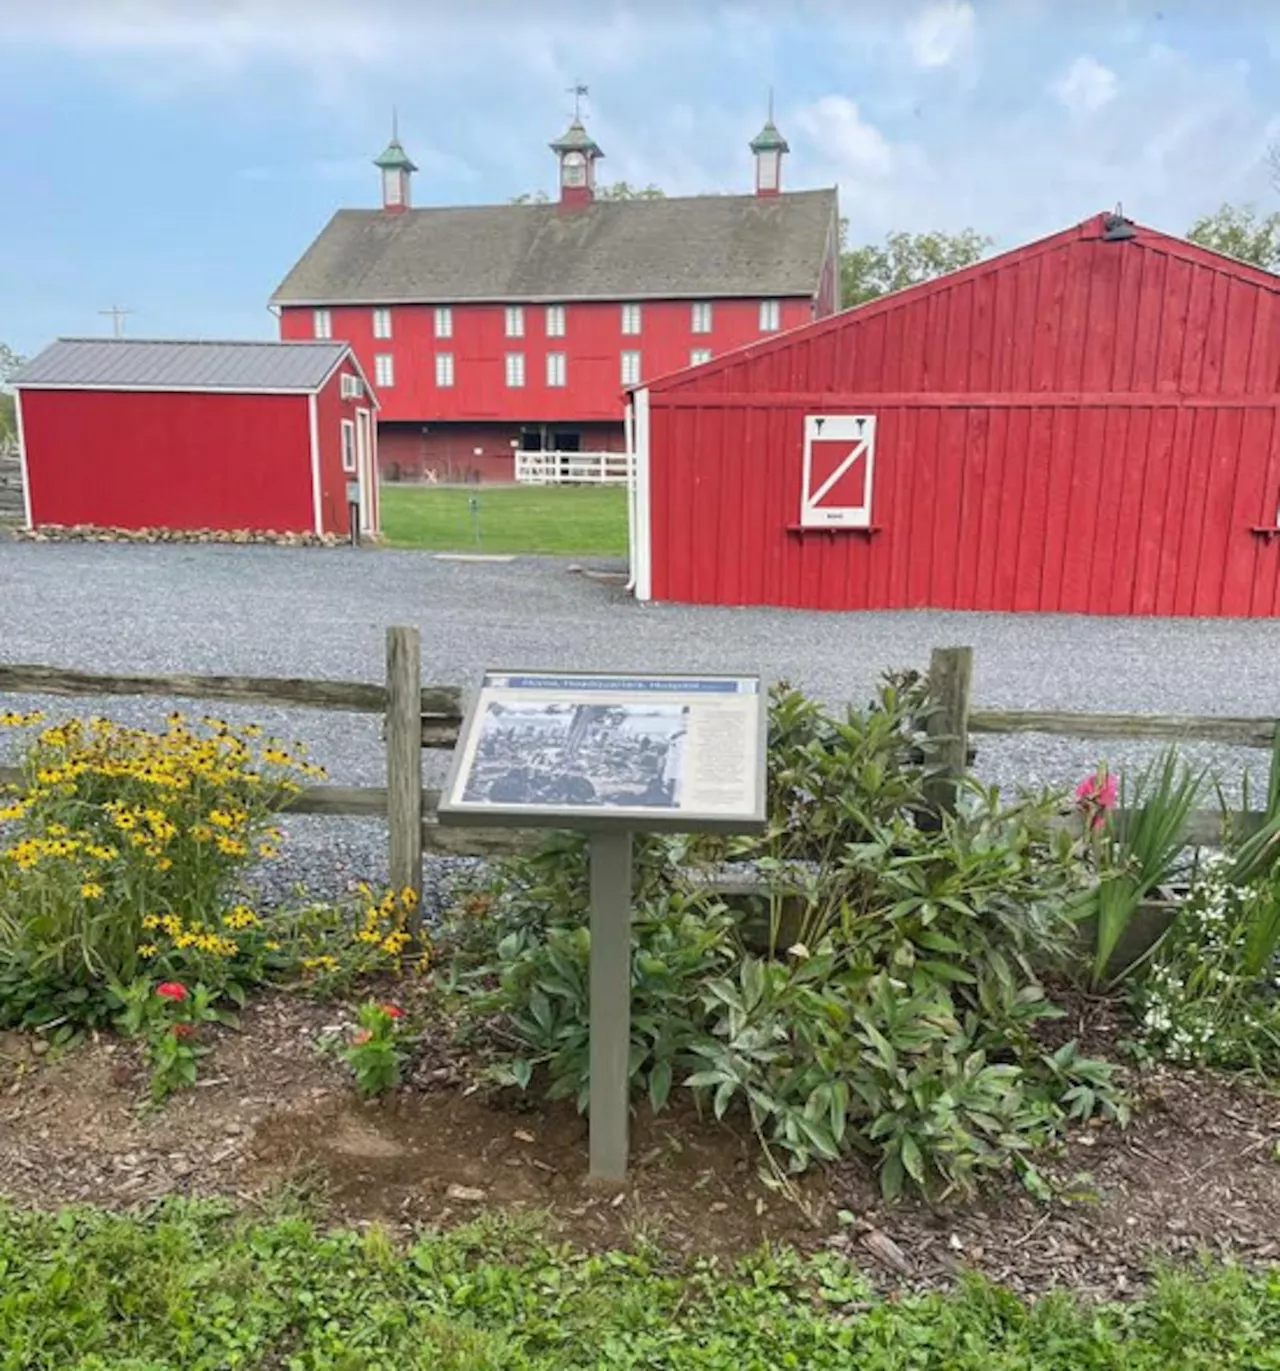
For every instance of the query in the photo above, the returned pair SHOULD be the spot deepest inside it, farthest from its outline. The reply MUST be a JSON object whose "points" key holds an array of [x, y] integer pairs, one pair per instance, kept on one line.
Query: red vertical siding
{"points": [[1081, 425], [183, 461]]}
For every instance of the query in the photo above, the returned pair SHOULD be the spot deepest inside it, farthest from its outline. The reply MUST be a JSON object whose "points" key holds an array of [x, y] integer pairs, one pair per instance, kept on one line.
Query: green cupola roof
{"points": [[769, 139], [577, 139], [395, 158]]}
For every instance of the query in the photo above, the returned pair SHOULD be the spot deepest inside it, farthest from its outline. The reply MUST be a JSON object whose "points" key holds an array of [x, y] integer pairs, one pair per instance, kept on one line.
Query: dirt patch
{"points": [[1198, 1170]]}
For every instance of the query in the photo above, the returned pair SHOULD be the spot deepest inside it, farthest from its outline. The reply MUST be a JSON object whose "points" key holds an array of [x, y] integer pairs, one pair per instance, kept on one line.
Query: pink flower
{"points": [[393, 1011], [172, 990], [1097, 794]]}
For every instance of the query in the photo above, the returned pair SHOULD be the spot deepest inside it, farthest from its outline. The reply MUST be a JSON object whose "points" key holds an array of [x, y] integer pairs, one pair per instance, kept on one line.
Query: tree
{"points": [[1242, 232], [9, 363], [614, 190], [904, 259]]}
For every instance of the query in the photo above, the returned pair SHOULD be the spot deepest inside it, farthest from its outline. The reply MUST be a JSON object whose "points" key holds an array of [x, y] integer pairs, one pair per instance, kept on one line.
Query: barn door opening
{"points": [[365, 473], [839, 463]]}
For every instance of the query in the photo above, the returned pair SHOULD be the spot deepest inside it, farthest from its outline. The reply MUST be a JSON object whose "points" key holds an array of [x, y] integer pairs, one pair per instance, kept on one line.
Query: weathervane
{"points": [[578, 90]]}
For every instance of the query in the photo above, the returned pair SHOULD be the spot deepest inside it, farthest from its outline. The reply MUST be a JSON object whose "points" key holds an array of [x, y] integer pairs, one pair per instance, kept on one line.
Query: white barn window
{"points": [[770, 316], [631, 318], [555, 369], [555, 321], [515, 369], [384, 369], [444, 369], [698, 356], [321, 323], [702, 316], [382, 323], [630, 368], [444, 321], [515, 321]]}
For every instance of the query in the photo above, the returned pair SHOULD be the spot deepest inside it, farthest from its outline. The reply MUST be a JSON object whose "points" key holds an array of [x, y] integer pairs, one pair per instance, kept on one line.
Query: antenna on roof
{"points": [[771, 104], [117, 316], [578, 90], [395, 124]]}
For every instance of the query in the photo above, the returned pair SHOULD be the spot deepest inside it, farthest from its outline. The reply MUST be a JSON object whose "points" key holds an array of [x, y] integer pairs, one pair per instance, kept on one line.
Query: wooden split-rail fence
{"points": [[418, 717]]}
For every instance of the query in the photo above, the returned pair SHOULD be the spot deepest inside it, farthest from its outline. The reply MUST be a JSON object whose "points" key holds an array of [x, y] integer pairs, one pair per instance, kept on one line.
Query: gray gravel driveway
{"points": [[322, 613]]}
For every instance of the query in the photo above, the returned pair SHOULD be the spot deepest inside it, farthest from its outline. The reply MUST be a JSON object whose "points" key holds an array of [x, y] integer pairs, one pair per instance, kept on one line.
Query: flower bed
{"points": [[900, 1012]]}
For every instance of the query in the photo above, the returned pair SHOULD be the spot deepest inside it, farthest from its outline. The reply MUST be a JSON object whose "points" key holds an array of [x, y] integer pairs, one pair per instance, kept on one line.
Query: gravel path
{"points": [[322, 613]]}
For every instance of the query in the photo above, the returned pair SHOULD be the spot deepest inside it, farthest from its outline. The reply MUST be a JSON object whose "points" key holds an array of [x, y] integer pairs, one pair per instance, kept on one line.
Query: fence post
{"points": [[404, 757], [950, 691]]}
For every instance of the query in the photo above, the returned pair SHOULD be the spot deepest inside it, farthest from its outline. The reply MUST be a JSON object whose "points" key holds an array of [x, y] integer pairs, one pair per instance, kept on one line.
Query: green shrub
{"points": [[894, 1009]]}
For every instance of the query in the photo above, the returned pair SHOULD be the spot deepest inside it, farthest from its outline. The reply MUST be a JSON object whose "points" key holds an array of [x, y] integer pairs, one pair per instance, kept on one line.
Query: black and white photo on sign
{"points": [[557, 753]]}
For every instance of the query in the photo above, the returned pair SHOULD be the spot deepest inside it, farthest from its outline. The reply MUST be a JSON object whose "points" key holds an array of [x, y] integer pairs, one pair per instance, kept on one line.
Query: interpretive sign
{"points": [[648, 752], [611, 754]]}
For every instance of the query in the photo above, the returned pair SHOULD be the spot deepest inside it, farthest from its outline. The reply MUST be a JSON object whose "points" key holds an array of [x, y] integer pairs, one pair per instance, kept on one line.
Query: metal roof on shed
{"points": [[155, 364]]}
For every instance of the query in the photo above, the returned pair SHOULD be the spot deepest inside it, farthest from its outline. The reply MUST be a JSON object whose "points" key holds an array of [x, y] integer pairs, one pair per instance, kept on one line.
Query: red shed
{"points": [[131, 433], [1087, 423]]}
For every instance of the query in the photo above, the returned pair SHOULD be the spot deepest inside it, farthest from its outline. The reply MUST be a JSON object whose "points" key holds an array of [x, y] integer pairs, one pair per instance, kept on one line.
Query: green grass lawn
{"points": [[572, 521], [189, 1287]]}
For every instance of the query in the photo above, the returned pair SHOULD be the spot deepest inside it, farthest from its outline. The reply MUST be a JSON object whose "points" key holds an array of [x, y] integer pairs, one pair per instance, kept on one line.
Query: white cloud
{"points": [[840, 135], [1086, 85], [942, 34]]}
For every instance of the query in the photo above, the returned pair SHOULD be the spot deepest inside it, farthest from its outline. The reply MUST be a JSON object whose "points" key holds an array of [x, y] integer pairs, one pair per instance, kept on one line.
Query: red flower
{"points": [[362, 1037], [393, 1011], [172, 990], [183, 1030]]}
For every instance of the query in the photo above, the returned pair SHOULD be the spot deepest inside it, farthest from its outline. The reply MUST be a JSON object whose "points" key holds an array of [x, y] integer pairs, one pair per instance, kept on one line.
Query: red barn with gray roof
{"points": [[133, 433], [1086, 424], [495, 328]]}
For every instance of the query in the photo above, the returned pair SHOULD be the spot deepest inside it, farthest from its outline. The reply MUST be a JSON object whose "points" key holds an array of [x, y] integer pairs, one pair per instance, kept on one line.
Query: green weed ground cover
{"points": [[194, 1287]]}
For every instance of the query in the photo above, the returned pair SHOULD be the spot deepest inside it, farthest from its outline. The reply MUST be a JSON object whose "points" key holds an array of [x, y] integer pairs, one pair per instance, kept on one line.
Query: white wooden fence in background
{"points": [[563, 468]]}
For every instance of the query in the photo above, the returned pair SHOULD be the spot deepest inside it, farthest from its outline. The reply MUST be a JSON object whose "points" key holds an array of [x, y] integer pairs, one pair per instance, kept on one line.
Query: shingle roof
{"points": [[180, 365], [706, 245]]}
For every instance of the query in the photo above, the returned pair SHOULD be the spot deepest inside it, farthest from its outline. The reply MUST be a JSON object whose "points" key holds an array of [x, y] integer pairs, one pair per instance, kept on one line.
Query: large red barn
{"points": [[132, 433], [501, 337], [1088, 424]]}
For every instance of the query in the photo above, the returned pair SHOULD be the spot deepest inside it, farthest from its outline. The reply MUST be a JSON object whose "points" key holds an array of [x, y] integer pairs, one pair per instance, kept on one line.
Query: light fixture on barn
{"points": [[1116, 228]]}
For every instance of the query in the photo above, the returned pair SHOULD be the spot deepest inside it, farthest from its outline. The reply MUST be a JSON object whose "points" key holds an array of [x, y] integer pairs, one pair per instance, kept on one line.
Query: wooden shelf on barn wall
{"points": [[1265, 532], [835, 528]]}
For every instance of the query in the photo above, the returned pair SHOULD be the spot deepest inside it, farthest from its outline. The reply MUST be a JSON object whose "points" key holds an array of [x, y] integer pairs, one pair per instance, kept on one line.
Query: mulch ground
{"points": [[1197, 1171]]}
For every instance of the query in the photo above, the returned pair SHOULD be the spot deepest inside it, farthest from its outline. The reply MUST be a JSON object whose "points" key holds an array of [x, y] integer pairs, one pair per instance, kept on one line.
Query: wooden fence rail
{"points": [[418, 717]]}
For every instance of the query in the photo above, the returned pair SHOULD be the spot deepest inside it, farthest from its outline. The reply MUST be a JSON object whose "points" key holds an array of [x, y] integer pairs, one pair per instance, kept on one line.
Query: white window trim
{"points": [[384, 370], [557, 370], [514, 321], [770, 316], [322, 323], [631, 311], [555, 313], [382, 316], [703, 318], [699, 356], [349, 446], [444, 370], [627, 355], [444, 316], [513, 367]]}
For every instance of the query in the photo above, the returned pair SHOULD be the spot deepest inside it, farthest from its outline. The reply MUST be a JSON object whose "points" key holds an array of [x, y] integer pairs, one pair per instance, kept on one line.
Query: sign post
{"points": [[611, 755]]}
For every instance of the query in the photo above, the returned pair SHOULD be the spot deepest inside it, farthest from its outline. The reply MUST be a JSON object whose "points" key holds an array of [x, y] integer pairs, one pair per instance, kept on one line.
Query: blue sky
{"points": [[176, 156]]}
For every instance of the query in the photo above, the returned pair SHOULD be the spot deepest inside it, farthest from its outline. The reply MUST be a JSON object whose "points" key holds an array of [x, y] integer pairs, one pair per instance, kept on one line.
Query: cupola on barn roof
{"points": [[678, 247]]}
